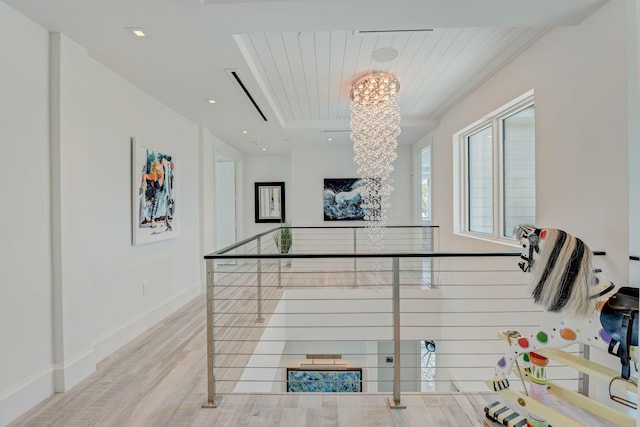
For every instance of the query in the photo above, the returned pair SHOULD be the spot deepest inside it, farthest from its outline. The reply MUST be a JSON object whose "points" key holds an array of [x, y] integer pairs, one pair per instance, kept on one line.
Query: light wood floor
{"points": [[159, 379]]}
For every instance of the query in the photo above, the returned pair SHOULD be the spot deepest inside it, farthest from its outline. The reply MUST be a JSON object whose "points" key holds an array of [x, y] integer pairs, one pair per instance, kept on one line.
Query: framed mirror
{"points": [[269, 201]]}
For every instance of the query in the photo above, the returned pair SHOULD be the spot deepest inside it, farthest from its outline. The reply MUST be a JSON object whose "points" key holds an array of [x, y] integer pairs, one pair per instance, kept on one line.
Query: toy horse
{"points": [[571, 291]]}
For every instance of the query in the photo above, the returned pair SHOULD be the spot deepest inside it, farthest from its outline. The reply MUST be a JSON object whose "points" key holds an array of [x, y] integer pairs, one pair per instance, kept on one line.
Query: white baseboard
{"points": [[73, 370], [25, 395], [111, 341], [35, 388]]}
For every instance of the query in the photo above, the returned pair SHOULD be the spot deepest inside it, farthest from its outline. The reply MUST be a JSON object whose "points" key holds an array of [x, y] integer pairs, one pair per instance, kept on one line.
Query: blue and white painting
{"points": [[342, 199], [307, 381]]}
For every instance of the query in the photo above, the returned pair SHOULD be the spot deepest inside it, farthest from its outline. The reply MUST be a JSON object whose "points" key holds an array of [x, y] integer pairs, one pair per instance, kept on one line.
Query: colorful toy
{"points": [[537, 386], [565, 282]]}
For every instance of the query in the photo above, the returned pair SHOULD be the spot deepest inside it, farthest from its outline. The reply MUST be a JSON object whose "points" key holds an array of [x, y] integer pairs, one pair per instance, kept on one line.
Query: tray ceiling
{"points": [[297, 58]]}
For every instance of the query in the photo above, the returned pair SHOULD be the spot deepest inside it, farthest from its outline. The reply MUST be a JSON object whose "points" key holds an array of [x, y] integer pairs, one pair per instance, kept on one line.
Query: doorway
{"points": [[428, 365]]}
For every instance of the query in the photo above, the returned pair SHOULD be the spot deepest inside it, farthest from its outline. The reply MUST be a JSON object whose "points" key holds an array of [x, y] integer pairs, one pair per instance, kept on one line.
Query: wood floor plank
{"points": [[376, 412], [292, 417], [159, 379], [312, 417], [274, 416], [475, 415], [329, 411], [417, 411]]}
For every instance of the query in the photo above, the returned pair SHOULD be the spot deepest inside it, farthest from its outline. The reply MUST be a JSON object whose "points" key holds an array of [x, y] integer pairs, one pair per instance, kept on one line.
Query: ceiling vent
{"points": [[236, 78], [377, 32]]}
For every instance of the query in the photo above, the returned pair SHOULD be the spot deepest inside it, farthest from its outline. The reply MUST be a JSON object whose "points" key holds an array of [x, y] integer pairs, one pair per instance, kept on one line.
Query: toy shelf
{"points": [[556, 418]]}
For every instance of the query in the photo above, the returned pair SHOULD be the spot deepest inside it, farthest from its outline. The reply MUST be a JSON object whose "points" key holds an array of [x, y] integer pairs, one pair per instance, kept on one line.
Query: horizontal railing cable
{"points": [[269, 314]]}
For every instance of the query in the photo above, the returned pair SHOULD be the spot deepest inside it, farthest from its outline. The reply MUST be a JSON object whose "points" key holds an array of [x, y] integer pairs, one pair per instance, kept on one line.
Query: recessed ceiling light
{"points": [[244, 131], [264, 149], [211, 101], [329, 139], [137, 31]]}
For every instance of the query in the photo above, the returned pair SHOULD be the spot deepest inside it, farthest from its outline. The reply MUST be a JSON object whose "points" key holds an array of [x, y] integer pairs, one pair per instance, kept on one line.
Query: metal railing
{"points": [[408, 318]]}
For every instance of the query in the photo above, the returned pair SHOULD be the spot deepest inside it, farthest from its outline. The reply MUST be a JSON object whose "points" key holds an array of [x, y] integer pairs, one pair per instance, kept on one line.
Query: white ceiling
{"points": [[297, 58]]}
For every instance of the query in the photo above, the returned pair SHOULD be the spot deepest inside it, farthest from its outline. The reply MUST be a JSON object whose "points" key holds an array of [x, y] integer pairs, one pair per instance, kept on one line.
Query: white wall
{"points": [[410, 369], [579, 75], [633, 79], [102, 280], [633, 82], [104, 291], [311, 164], [265, 168], [25, 254], [207, 198]]}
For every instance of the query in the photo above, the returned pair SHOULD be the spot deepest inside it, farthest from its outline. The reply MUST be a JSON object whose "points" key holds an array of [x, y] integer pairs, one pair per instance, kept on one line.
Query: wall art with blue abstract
{"points": [[301, 380]]}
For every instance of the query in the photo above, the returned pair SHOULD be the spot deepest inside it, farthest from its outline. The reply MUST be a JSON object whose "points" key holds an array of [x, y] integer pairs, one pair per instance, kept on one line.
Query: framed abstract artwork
{"points": [[269, 202], [300, 380], [154, 193], [342, 199]]}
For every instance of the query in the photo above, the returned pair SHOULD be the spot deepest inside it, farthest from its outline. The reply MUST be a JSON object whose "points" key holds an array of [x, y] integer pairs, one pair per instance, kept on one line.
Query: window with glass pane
{"points": [[494, 160], [425, 192], [480, 181], [519, 170]]}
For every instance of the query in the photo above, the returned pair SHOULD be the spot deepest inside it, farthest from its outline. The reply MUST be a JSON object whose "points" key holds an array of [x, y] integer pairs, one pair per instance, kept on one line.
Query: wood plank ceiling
{"points": [[298, 58], [306, 76]]}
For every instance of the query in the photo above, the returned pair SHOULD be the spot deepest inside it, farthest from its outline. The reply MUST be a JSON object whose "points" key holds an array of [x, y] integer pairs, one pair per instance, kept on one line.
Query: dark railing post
{"points": [[396, 402], [212, 400]]}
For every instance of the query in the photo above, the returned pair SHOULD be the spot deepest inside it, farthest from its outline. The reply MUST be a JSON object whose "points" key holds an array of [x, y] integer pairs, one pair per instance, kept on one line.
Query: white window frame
{"points": [[461, 168]]}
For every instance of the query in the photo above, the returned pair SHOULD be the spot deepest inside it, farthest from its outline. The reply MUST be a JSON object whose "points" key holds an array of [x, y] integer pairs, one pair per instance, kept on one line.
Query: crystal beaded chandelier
{"points": [[375, 126]]}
